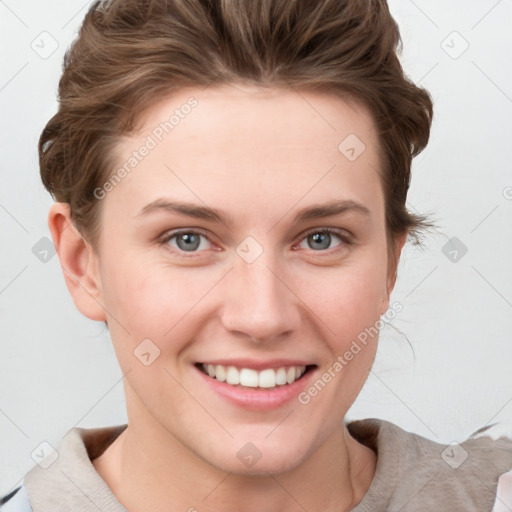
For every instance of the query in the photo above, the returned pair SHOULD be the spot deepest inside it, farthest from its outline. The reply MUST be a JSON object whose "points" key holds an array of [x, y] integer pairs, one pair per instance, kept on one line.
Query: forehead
{"points": [[319, 119], [259, 142]]}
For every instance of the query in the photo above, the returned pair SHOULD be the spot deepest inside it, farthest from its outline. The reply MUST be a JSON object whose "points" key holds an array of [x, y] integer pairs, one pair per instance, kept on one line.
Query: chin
{"points": [[259, 458], [273, 465]]}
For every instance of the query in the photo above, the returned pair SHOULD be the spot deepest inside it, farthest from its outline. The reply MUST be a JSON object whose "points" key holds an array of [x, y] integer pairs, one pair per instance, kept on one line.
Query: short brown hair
{"points": [[130, 54]]}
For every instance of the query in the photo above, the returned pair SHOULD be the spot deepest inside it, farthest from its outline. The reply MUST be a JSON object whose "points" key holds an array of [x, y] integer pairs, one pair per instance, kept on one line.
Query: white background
{"points": [[58, 369]]}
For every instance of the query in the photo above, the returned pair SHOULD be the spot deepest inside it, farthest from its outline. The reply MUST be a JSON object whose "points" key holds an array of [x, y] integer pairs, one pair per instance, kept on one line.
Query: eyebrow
{"points": [[316, 211]]}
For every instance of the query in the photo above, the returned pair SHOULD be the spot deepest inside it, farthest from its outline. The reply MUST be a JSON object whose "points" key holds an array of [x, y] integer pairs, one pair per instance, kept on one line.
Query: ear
{"points": [[78, 261], [392, 269]]}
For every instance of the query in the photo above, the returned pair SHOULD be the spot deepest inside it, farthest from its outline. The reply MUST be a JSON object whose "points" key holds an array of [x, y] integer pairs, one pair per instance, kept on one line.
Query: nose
{"points": [[258, 301]]}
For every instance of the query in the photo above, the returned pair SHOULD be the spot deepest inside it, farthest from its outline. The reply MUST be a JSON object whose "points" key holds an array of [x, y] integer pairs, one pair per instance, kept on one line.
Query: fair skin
{"points": [[260, 156]]}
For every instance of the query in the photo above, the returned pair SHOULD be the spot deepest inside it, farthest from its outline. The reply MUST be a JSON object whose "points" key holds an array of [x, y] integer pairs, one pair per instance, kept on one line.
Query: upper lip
{"points": [[257, 365]]}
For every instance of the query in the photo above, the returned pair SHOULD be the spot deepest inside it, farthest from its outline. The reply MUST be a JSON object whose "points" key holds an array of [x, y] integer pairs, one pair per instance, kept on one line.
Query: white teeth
{"points": [[248, 377], [267, 379], [220, 373], [281, 376], [232, 376]]}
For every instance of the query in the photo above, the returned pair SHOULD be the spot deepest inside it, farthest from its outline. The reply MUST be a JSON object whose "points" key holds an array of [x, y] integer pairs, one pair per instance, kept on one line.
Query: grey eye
{"points": [[321, 239], [187, 241]]}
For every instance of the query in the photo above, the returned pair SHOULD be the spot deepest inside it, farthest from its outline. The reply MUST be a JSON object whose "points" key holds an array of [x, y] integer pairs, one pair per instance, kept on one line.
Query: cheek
{"points": [[148, 299], [347, 299], [349, 313]]}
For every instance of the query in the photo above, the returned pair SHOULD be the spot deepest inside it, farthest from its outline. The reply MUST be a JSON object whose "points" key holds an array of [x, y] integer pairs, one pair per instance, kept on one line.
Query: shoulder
{"points": [[53, 482], [16, 501], [426, 474], [498, 436]]}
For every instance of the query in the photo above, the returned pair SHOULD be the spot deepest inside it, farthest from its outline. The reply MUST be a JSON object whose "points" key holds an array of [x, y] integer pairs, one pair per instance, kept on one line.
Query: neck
{"points": [[141, 469]]}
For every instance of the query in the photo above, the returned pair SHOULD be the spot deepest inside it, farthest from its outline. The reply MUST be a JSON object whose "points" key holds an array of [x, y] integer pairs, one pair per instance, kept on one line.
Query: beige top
{"points": [[413, 473]]}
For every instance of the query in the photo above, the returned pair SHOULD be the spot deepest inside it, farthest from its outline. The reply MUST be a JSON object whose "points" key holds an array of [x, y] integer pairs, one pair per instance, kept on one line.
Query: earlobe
{"points": [[78, 262]]}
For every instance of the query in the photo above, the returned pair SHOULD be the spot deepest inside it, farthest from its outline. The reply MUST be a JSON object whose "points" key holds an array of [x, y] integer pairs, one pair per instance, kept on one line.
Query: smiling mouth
{"points": [[269, 378]]}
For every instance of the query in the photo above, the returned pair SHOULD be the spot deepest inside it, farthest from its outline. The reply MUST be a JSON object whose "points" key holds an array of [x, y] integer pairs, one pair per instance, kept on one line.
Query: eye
{"points": [[191, 241], [185, 241], [320, 239]]}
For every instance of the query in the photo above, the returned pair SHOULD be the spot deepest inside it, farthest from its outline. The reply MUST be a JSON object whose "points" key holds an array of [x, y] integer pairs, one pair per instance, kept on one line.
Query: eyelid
{"points": [[342, 233]]}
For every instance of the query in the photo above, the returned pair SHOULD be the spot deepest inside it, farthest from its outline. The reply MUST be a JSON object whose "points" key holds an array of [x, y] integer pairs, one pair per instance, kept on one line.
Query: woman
{"points": [[230, 181]]}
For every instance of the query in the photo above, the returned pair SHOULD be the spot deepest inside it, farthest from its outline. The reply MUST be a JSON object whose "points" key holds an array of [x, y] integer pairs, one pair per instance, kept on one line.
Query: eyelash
{"points": [[164, 241]]}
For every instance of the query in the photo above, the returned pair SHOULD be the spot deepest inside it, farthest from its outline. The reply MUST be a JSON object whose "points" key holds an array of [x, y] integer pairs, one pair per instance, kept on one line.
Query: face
{"points": [[268, 289]]}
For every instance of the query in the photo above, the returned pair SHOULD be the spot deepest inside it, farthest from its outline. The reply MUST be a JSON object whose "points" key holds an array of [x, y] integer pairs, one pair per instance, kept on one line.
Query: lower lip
{"points": [[257, 399]]}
